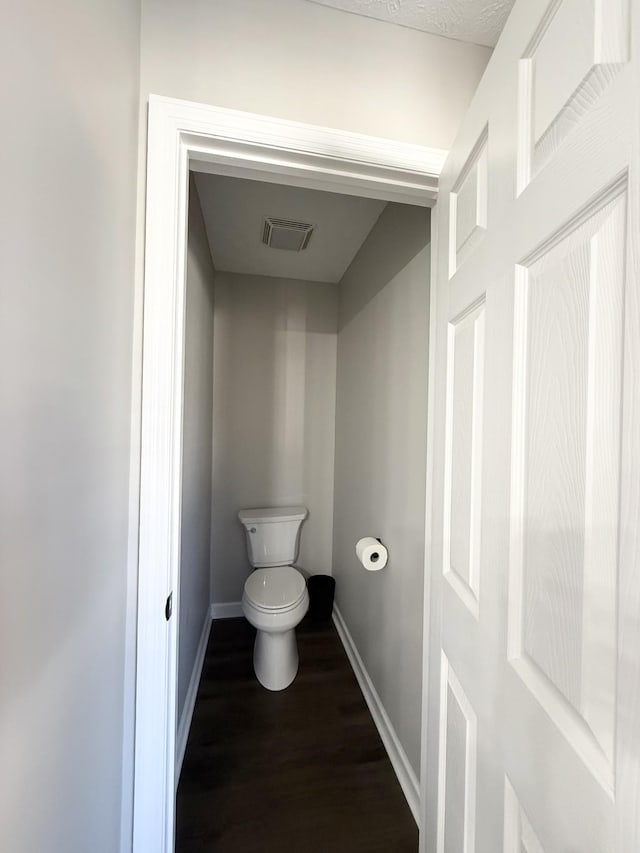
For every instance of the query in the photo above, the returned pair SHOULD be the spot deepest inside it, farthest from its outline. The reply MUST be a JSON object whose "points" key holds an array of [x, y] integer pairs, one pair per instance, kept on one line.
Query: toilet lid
{"points": [[275, 588]]}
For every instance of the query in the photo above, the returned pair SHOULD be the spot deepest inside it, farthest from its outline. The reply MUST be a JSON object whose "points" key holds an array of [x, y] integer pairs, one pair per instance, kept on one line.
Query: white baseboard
{"points": [[404, 771], [227, 610], [190, 699]]}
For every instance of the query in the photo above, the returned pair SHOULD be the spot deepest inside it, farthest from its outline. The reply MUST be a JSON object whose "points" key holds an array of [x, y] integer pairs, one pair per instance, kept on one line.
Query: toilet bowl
{"points": [[274, 602], [275, 597]]}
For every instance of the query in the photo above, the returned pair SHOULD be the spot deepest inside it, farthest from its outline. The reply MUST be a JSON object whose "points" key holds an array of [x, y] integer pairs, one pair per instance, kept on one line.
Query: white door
{"points": [[533, 739]]}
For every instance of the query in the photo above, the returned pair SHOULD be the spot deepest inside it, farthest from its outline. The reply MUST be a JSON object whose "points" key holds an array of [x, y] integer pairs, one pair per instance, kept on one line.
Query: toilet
{"points": [[275, 596]]}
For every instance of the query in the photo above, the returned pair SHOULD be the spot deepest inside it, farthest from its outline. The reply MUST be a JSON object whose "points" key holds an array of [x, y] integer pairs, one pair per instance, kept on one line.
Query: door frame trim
{"points": [[181, 136]]}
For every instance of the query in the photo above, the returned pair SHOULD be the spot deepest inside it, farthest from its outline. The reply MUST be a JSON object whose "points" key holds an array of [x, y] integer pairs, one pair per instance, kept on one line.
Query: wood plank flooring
{"points": [[300, 770]]}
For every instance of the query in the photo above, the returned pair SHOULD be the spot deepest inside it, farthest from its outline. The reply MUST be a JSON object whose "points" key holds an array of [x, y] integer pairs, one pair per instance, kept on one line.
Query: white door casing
{"points": [[532, 699], [183, 136]]}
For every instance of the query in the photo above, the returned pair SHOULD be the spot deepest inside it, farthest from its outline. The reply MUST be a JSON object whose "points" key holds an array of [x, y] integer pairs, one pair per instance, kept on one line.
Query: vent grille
{"points": [[285, 234]]}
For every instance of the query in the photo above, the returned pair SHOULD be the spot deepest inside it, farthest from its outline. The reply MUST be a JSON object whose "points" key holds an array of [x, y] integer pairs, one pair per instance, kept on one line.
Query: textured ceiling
{"points": [[234, 211], [478, 21]]}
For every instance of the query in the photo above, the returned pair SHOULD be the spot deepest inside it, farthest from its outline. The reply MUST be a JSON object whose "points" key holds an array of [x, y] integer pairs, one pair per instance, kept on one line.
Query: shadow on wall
{"points": [[67, 266], [401, 233], [197, 420], [274, 405], [380, 458]]}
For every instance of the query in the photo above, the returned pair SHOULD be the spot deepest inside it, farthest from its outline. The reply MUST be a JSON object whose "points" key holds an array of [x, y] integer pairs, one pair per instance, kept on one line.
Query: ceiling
{"points": [[234, 210], [477, 21]]}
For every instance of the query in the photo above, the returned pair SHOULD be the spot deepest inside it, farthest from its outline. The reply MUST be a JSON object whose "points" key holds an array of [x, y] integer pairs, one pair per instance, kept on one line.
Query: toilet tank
{"points": [[273, 534]]}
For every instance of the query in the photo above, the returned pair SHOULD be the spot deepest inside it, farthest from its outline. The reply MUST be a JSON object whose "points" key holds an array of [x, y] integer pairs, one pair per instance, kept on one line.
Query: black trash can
{"points": [[321, 589]]}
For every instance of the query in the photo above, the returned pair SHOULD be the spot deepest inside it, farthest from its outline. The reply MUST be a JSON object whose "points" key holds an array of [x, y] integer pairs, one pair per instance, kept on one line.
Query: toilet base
{"points": [[275, 658]]}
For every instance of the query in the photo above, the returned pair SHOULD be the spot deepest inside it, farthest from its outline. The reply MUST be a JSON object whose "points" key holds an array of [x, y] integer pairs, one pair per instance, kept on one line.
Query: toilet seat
{"points": [[277, 589]]}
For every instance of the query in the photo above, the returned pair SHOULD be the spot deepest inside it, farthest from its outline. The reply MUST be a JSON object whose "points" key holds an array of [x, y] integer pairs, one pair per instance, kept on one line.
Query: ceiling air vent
{"points": [[285, 234]]}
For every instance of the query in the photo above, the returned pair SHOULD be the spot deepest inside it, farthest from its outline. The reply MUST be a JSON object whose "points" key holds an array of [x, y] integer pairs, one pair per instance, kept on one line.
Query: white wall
{"points": [[303, 61], [274, 409], [197, 419], [381, 434], [68, 173]]}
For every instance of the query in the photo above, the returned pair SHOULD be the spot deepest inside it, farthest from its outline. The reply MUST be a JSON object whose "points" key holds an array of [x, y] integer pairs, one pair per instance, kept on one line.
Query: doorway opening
{"points": [[184, 137]]}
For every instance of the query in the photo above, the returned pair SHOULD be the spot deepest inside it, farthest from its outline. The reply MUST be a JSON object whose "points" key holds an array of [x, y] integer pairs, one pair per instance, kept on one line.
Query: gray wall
{"points": [[381, 434], [307, 62], [274, 410], [196, 446], [68, 174]]}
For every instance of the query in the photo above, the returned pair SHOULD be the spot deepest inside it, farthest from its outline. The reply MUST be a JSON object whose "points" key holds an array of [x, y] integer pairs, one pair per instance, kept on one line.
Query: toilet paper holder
{"points": [[372, 553]]}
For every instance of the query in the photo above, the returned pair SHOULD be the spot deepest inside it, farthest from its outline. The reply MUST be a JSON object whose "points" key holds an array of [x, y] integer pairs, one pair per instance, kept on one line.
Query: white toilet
{"points": [[275, 595]]}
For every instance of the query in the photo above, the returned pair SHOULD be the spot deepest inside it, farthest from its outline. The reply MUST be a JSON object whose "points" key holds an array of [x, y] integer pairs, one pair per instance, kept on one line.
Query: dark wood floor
{"points": [[300, 770]]}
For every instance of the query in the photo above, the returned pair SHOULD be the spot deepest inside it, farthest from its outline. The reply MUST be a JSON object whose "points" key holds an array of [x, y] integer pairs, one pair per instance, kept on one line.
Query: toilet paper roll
{"points": [[372, 554]]}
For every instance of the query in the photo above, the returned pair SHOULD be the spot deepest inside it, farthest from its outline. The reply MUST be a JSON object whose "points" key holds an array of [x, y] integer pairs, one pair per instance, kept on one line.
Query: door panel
{"points": [[463, 453], [468, 201], [576, 50], [533, 741], [457, 776], [566, 476]]}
